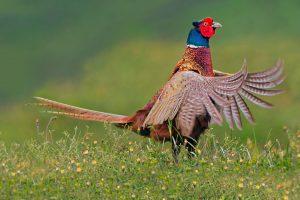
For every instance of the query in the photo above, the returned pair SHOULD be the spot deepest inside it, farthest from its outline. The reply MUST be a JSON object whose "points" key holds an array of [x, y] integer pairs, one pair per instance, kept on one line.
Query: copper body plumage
{"points": [[194, 97]]}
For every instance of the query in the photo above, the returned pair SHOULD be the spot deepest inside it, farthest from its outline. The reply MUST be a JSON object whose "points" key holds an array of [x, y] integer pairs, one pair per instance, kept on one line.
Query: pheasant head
{"points": [[202, 31]]}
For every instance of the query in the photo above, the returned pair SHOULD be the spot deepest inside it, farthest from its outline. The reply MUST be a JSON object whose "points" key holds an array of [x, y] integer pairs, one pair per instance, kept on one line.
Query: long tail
{"points": [[80, 113]]}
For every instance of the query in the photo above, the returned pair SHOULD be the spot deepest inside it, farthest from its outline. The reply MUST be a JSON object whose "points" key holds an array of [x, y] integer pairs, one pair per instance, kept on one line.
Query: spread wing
{"points": [[259, 83], [188, 94]]}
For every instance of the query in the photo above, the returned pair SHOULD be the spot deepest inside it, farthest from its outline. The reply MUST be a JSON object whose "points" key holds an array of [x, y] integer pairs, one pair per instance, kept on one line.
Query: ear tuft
{"points": [[196, 24]]}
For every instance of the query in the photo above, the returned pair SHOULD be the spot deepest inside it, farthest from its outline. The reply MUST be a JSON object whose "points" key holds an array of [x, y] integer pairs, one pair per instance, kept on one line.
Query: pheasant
{"points": [[195, 96]]}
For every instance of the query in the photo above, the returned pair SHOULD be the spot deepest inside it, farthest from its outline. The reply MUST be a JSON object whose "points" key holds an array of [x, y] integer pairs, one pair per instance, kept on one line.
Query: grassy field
{"points": [[112, 56], [116, 167]]}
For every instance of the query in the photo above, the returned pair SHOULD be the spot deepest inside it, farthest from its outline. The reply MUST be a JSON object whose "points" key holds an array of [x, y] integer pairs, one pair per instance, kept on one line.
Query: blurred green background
{"points": [[113, 55]]}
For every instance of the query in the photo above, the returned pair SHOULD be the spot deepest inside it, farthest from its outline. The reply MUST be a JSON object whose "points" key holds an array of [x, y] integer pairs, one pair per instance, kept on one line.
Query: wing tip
{"points": [[37, 98], [280, 62], [40, 99]]}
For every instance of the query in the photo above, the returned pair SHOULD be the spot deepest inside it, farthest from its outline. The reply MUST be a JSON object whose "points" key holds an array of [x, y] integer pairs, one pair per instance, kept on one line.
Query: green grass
{"points": [[112, 56], [116, 167]]}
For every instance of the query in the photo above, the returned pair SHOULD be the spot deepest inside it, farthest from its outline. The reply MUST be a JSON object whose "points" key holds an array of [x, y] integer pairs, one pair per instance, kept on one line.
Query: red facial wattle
{"points": [[205, 27], [207, 31]]}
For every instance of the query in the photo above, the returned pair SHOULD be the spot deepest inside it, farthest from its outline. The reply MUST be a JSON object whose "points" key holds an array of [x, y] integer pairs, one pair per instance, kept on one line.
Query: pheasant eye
{"points": [[205, 23]]}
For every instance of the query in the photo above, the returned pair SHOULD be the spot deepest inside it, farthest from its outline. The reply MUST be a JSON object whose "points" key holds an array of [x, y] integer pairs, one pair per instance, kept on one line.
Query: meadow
{"points": [[112, 56], [80, 167], [101, 56]]}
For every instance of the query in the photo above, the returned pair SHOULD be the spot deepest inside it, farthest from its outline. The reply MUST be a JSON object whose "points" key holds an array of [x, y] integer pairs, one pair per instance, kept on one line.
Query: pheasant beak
{"points": [[216, 25]]}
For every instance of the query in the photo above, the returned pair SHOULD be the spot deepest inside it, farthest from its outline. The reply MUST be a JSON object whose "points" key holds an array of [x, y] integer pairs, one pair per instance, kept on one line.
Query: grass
{"points": [[101, 54], [116, 167]]}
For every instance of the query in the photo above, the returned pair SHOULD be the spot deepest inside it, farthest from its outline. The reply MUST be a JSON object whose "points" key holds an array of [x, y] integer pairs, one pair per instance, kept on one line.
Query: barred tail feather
{"points": [[80, 113]]}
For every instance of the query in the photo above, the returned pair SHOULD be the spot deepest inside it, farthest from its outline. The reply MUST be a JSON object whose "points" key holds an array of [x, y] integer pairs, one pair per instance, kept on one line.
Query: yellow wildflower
{"points": [[78, 169], [85, 152], [241, 185], [95, 142], [94, 162]]}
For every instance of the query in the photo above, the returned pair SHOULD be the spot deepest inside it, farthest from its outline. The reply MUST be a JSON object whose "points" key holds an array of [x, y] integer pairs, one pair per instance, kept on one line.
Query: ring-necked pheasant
{"points": [[194, 96]]}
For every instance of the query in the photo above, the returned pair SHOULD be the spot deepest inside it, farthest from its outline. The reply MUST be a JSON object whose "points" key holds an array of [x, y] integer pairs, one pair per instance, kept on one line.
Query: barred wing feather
{"points": [[260, 83], [188, 95]]}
